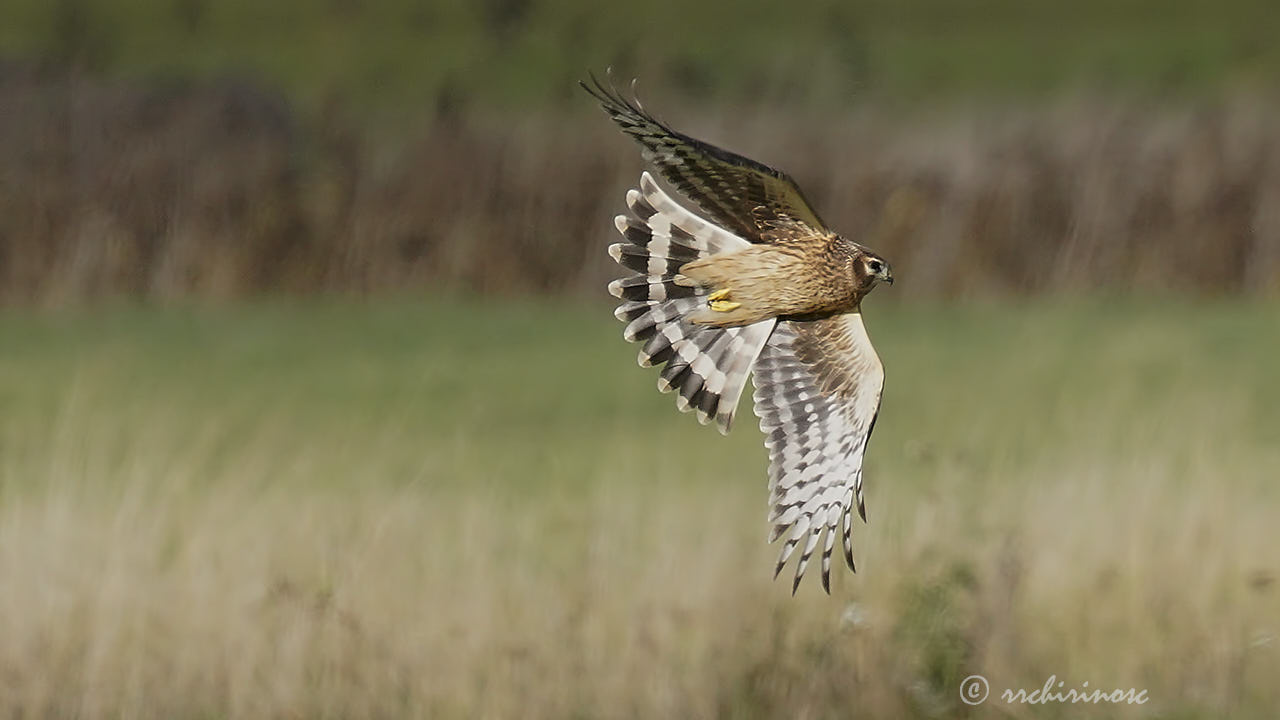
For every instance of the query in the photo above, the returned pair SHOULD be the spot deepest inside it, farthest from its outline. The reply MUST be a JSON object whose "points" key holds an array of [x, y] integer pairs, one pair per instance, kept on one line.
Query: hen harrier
{"points": [[761, 286]]}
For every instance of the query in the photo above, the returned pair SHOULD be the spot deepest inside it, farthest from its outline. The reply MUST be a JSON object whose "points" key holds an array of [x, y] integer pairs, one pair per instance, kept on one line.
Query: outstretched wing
{"points": [[737, 192], [706, 366], [818, 385]]}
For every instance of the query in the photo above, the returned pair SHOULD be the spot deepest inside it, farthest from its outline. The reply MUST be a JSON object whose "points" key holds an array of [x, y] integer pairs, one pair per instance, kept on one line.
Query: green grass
{"points": [[434, 508], [527, 53]]}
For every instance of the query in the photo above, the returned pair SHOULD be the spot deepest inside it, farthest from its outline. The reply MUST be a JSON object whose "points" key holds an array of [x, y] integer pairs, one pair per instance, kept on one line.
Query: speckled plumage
{"points": [[761, 286]]}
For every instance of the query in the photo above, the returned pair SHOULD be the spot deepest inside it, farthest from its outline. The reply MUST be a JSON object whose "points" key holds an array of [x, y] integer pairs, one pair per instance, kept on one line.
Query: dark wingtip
{"points": [[614, 102], [596, 88], [600, 91], [826, 580], [795, 584]]}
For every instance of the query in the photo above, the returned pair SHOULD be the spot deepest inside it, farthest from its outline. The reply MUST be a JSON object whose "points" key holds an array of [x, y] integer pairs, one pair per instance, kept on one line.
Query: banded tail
{"points": [[707, 366]]}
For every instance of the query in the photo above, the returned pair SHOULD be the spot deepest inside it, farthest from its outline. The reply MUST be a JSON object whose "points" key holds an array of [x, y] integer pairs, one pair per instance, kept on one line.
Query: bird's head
{"points": [[871, 269]]}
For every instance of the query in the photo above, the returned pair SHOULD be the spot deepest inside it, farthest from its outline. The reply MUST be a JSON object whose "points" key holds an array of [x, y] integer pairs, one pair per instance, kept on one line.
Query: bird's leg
{"points": [[719, 301]]}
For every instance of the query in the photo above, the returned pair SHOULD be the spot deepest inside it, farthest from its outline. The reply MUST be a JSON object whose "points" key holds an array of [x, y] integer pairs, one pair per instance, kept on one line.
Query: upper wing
{"points": [[818, 385], [739, 193]]}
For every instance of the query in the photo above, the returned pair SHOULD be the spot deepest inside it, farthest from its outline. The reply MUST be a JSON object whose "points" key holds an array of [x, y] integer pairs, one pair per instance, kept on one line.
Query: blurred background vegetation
{"points": [[411, 57], [311, 404], [170, 148]]}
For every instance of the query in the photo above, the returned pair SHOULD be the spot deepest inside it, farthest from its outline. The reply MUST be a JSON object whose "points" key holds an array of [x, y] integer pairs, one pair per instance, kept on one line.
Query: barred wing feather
{"points": [[707, 367], [818, 385], [736, 192]]}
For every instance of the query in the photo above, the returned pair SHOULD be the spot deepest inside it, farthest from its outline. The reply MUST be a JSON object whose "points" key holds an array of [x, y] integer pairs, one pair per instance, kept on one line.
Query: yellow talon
{"points": [[719, 302]]}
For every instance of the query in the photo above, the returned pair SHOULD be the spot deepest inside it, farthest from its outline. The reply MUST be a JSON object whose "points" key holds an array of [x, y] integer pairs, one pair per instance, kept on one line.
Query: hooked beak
{"points": [[887, 275]]}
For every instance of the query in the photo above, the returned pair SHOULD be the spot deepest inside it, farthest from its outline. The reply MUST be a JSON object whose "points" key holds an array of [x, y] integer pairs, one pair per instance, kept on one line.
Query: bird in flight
{"points": [[754, 285]]}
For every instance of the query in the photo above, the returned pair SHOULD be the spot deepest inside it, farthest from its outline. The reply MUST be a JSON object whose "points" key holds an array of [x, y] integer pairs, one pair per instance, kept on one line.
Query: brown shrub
{"points": [[221, 189]]}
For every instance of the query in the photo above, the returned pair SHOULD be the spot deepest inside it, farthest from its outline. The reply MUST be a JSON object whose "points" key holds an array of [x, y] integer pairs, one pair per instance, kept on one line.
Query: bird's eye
{"points": [[875, 266]]}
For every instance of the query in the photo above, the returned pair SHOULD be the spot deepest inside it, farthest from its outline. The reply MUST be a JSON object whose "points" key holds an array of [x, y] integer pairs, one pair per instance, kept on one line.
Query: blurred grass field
{"points": [[526, 54], [431, 508]]}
